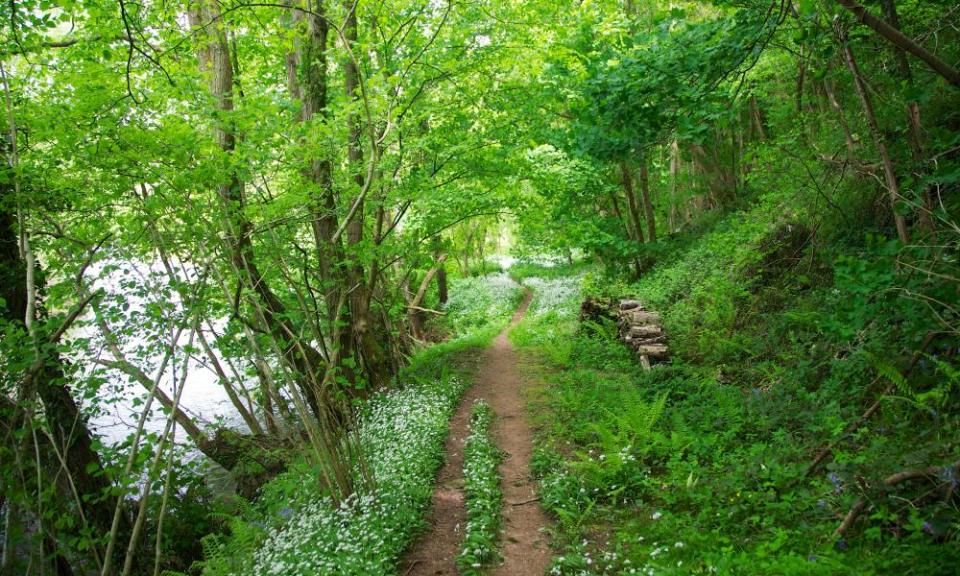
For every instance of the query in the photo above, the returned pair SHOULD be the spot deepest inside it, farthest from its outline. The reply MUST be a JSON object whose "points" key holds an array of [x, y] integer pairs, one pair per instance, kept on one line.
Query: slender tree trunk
{"points": [[615, 205], [414, 313], [757, 119], [715, 176], [841, 117], [913, 119], [215, 60], [247, 416], [893, 185], [9, 556], [291, 59], [647, 203], [442, 295], [801, 78], [633, 209], [891, 34], [927, 221], [893, 19], [674, 175]]}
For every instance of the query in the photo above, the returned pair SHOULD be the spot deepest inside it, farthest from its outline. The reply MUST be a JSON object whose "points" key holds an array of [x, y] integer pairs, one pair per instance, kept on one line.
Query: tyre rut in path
{"points": [[523, 545]]}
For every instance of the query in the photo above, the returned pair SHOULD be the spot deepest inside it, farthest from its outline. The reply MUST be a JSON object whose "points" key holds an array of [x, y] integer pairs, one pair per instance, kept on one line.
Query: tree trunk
{"points": [[615, 205], [647, 203], [913, 119], [291, 59], [716, 176], [893, 185], [366, 341], [632, 208], [757, 119], [67, 426], [247, 415], [324, 209], [215, 60], [674, 174], [324, 223], [801, 78], [841, 117], [414, 313], [442, 295], [891, 34], [893, 19], [627, 181]]}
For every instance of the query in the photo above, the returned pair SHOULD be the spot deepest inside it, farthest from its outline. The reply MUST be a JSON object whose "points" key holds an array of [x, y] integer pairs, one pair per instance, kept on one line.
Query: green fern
{"points": [[638, 420], [223, 555], [891, 373], [604, 328]]}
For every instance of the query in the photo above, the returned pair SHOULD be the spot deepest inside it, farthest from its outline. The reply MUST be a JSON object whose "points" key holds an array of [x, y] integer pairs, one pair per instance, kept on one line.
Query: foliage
{"points": [[664, 79], [698, 466], [484, 497], [476, 301], [294, 529], [234, 201]]}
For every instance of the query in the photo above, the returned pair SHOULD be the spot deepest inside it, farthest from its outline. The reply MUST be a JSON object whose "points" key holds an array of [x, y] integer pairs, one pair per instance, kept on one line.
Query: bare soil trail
{"points": [[524, 546]]}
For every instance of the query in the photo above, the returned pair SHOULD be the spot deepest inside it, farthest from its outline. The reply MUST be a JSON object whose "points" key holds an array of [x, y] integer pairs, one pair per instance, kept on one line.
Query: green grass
{"points": [[698, 467]]}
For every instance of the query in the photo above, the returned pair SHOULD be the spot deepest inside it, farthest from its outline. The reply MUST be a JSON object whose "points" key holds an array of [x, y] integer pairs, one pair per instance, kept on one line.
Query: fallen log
{"points": [[644, 331], [637, 327], [638, 341], [932, 472], [638, 316], [657, 351]]}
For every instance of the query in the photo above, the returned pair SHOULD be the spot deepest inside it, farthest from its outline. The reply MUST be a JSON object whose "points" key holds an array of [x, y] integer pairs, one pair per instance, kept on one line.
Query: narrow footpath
{"points": [[524, 546]]}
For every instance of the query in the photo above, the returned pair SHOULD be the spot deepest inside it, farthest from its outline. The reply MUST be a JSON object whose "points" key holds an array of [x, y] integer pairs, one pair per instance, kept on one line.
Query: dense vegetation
{"points": [[294, 207]]}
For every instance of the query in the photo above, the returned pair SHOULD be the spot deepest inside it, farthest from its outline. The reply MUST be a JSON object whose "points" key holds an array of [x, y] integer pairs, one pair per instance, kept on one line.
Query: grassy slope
{"points": [[698, 466]]}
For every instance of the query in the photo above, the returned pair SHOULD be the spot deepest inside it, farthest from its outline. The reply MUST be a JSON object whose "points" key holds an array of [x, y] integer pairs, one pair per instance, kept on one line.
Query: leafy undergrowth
{"points": [[293, 528], [476, 302], [552, 314], [484, 497], [700, 466]]}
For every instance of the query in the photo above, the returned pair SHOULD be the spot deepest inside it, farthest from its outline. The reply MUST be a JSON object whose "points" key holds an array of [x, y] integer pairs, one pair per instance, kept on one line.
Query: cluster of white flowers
{"points": [[544, 260], [402, 433], [476, 301], [579, 562], [558, 295], [483, 494]]}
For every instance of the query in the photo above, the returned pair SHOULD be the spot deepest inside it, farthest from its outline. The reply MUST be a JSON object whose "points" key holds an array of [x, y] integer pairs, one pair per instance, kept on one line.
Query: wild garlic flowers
{"points": [[402, 432]]}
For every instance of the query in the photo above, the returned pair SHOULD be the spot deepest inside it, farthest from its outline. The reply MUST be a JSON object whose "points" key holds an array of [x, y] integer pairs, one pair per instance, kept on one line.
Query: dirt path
{"points": [[524, 547]]}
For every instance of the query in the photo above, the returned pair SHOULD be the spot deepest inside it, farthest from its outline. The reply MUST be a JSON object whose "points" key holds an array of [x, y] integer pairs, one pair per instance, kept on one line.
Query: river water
{"points": [[132, 290]]}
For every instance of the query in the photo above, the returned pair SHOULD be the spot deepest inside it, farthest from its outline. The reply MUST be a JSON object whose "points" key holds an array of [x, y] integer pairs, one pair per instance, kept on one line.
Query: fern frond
{"points": [[891, 373]]}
